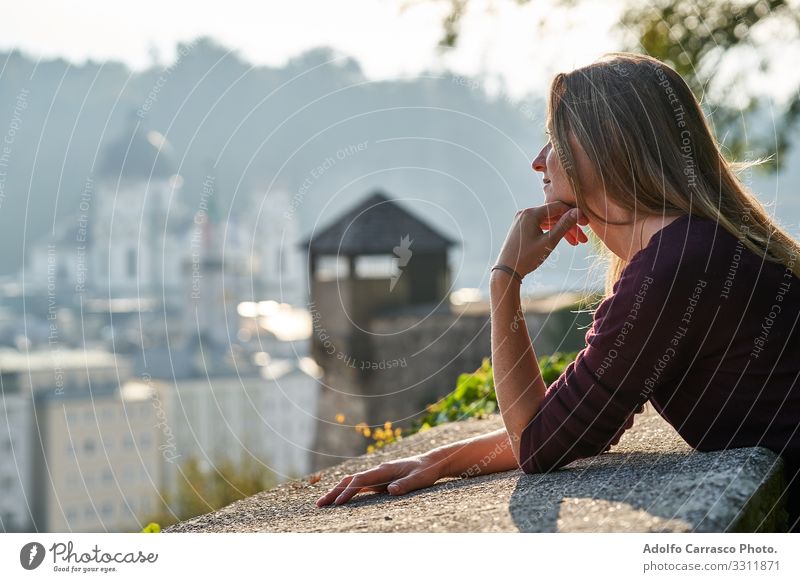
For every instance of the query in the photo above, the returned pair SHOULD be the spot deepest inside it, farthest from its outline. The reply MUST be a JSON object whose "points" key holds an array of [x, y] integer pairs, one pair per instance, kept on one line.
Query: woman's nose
{"points": [[539, 161]]}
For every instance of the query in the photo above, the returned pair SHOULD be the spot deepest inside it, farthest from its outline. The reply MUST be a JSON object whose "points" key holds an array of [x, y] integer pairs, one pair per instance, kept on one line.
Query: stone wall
{"points": [[652, 481]]}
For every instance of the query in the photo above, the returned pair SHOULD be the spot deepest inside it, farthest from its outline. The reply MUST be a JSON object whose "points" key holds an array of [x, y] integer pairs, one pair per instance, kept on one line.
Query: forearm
{"points": [[517, 378], [479, 455]]}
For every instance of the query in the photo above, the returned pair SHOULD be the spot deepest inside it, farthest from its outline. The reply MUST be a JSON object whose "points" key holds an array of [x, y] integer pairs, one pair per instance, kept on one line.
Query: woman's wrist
{"points": [[440, 460], [500, 281], [506, 269]]}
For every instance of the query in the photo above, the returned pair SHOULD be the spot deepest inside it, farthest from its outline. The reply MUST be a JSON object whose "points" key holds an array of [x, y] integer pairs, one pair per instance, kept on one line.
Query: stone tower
{"points": [[377, 257]]}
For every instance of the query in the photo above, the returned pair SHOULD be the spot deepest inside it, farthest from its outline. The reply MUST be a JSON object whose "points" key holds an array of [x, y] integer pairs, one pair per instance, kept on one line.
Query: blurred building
{"points": [[16, 470], [220, 411], [139, 266], [137, 225], [130, 232], [97, 462], [88, 459], [266, 421], [279, 265]]}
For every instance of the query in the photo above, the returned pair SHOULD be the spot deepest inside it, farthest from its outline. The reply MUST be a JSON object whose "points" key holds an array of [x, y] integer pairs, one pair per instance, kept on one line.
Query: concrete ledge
{"points": [[651, 482]]}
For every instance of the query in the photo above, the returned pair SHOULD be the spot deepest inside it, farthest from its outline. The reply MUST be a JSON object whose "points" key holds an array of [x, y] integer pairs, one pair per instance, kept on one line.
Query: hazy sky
{"points": [[389, 37]]}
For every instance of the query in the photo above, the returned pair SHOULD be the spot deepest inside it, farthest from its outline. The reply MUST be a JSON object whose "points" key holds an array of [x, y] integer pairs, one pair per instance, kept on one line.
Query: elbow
{"points": [[540, 458], [534, 468], [542, 462]]}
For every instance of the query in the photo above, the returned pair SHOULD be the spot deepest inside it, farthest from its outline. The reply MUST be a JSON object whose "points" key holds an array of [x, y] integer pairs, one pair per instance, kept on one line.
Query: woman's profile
{"points": [[702, 305]]}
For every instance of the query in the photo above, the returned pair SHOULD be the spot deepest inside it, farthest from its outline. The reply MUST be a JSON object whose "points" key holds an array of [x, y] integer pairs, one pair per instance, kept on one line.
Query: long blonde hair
{"points": [[654, 153]]}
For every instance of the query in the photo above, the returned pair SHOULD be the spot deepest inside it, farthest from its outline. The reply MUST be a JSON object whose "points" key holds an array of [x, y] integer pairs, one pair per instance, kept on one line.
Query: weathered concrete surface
{"points": [[651, 481]]}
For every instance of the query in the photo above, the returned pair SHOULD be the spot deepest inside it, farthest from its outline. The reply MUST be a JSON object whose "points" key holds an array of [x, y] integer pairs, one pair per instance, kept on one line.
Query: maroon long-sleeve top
{"points": [[701, 327]]}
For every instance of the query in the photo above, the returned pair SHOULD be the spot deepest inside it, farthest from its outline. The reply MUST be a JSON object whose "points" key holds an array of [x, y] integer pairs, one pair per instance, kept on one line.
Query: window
{"points": [[131, 263], [88, 511], [331, 267], [72, 516], [6, 484], [72, 479], [376, 267]]}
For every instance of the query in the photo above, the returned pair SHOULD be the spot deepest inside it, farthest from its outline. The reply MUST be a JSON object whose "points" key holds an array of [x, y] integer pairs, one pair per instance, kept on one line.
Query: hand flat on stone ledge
{"points": [[397, 477]]}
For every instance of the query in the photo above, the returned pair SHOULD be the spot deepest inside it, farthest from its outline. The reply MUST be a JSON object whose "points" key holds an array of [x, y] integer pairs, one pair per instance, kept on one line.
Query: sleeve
{"points": [[641, 339]]}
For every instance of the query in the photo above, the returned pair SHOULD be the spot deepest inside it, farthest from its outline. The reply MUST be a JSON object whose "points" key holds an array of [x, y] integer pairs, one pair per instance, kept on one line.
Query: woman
{"points": [[702, 298]]}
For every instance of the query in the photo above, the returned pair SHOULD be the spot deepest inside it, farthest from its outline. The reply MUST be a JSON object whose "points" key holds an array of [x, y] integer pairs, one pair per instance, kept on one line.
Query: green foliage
{"points": [[473, 397], [151, 528], [553, 366], [203, 490], [694, 37]]}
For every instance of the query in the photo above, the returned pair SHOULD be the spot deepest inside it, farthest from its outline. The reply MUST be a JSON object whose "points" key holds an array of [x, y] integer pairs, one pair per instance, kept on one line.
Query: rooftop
{"points": [[137, 155], [58, 359], [376, 226]]}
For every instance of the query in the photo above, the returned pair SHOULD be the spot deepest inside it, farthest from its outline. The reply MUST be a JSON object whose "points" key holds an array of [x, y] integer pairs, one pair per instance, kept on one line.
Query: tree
{"points": [[695, 37]]}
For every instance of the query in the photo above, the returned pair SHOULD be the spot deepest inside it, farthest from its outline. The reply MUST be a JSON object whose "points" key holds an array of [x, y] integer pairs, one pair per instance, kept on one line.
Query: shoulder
{"points": [[688, 241], [674, 268], [688, 249]]}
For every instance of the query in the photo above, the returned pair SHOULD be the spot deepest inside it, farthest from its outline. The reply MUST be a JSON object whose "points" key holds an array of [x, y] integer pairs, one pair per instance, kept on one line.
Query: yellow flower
{"points": [[340, 418], [370, 449], [387, 425], [367, 432]]}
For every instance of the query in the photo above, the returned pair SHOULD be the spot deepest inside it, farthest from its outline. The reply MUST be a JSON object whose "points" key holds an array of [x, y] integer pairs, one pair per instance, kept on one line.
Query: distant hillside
{"points": [[458, 157]]}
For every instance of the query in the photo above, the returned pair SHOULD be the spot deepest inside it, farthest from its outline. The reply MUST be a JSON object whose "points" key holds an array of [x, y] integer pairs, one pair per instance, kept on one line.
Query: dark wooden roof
{"points": [[375, 227]]}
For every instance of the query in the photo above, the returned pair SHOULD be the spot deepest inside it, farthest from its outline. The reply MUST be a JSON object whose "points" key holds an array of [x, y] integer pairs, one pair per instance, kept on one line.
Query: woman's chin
{"points": [[550, 197]]}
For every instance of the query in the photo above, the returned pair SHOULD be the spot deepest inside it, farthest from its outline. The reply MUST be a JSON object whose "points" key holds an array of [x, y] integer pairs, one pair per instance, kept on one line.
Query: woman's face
{"points": [[557, 188], [556, 185]]}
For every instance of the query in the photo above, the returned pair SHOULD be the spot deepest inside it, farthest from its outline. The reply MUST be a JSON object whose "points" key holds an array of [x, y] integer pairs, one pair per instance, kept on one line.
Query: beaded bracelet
{"points": [[507, 269]]}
